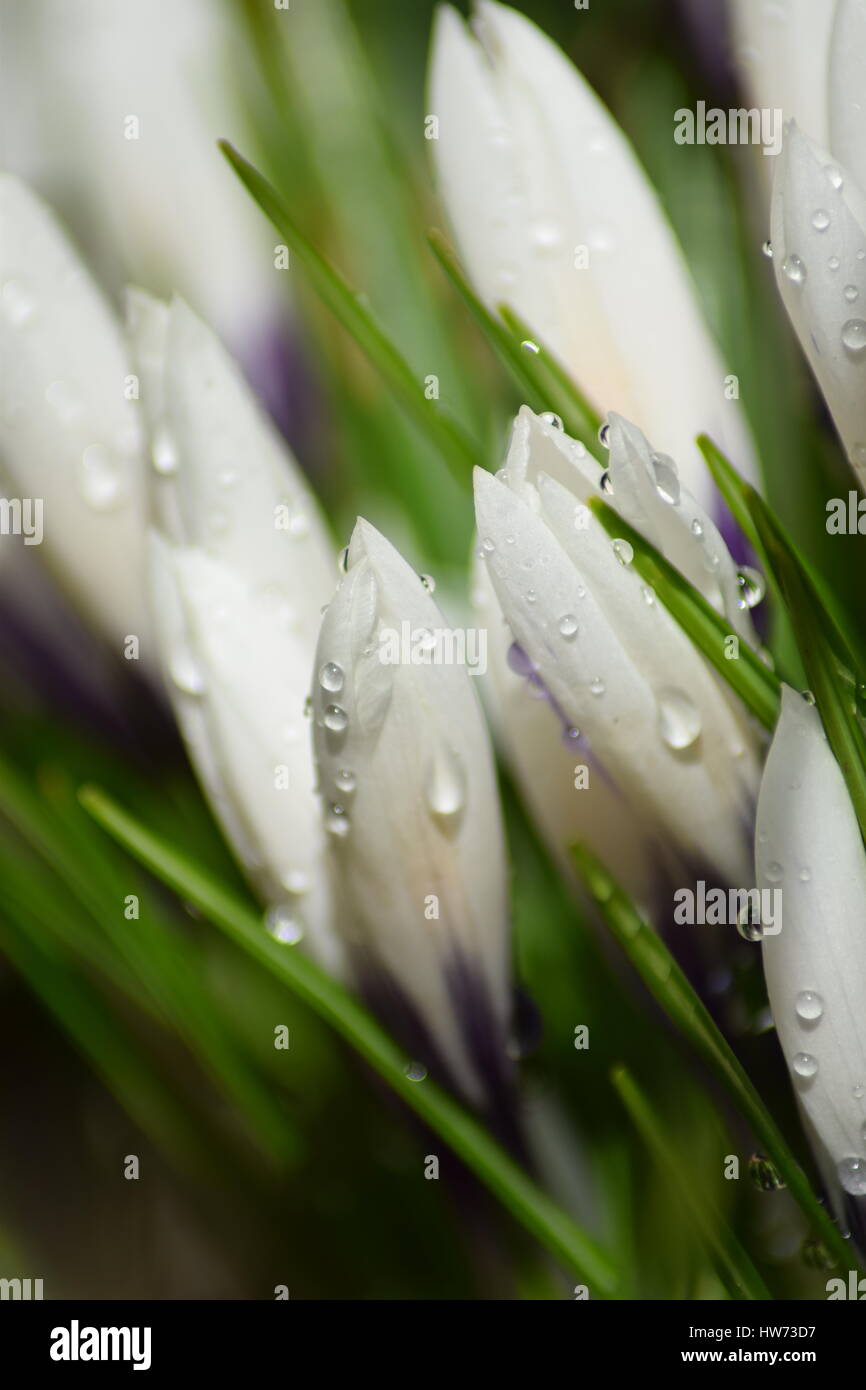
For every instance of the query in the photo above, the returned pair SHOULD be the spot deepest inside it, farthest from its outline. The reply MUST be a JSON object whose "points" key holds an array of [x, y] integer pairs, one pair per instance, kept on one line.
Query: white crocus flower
{"points": [[120, 130], [241, 567], [659, 725], [554, 215], [70, 439], [818, 234], [783, 50], [809, 849], [411, 806]]}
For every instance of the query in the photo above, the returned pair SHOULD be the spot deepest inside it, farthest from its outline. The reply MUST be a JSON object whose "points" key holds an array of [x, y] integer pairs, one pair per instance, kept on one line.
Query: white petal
{"points": [[783, 50], [68, 433], [531, 168], [819, 241], [421, 816], [629, 679], [809, 847], [847, 138]]}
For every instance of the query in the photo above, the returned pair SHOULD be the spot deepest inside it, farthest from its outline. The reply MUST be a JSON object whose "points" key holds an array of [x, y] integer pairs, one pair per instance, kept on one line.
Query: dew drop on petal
{"points": [[336, 719], [549, 418], [820, 219], [430, 583], [446, 789], [851, 293], [623, 551], [100, 479], [752, 587], [804, 1064], [331, 676], [697, 528], [605, 482], [854, 337], [666, 478], [809, 1006], [283, 926], [852, 1176], [568, 626], [604, 435], [337, 822], [597, 686], [345, 780], [834, 175], [186, 673], [833, 262], [163, 454], [794, 270], [679, 720], [773, 871], [767, 249], [749, 928], [764, 1174]]}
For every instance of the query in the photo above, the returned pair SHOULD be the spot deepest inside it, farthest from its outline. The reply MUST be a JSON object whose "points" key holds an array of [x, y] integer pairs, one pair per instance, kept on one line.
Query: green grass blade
{"points": [[748, 676], [551, 1226], [458, 450], [540, 378], [742, 499], [666, 982], [736, 1270]]}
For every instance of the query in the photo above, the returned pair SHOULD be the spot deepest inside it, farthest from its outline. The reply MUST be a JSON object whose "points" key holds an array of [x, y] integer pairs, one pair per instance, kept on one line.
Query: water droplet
{"points": [[100, 479], [697, 528], [805, 874], [854, 336], [163, 454], [833, 262], [773, 872], [415, 1071], [296, 882], [749, 925], [605, 482], [531, 596], [834, 174], [430, 583], [767, 249], [666, 478], [185, 673], [308, 706], [549, 418], [299, 525], [336, 719], [852, 1176], [858, 1091], [851, 293], [809, 1006], [488, 546], [752, 587], [18, 306], [446, 789], [345, 780], [343, 560], [529, 346], [820, 219], [546, 236], [794, 269], [337, 822], [649, 595], [283, 926], [809, 697], [679, 721], [623, 551], [764, 1174], [568, 625], [604, 435], [816, 1255], [331, 676], [597, 686], [804, 1064]]}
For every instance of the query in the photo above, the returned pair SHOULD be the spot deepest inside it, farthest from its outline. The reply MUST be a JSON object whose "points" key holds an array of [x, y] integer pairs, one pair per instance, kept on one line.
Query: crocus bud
{"points": [[412, 811], [809, 850], [70, 438], [659, 725], [554, 215], [241, 566], [783, 51], [818, 234]]}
